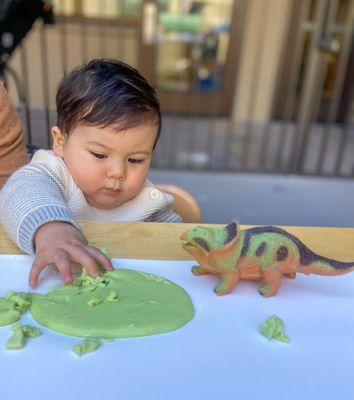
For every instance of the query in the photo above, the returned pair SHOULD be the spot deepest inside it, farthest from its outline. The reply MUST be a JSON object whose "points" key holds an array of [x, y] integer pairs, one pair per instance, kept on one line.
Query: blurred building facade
{"points": [[256, 85]]}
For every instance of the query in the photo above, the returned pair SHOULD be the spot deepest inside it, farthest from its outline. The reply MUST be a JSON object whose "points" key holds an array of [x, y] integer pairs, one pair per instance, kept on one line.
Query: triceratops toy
{"points": [[264, 253]]}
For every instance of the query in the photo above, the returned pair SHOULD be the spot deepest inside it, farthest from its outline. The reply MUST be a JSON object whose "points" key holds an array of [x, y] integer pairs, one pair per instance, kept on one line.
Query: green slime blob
{"points": [[273, 328], [132, 304]]}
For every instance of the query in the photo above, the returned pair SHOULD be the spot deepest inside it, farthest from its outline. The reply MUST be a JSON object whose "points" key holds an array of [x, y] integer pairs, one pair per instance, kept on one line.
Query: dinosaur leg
{"points": [[227, 283], [199, 270], [271, 280]]}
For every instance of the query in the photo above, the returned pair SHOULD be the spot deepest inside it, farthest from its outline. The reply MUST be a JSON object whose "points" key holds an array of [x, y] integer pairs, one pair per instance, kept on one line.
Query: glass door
{"points": [[188, 53], [297, 55]]}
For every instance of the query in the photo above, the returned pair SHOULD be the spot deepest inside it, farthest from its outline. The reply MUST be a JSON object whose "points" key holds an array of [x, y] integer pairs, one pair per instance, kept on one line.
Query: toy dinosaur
{"points": [[264, 253]]}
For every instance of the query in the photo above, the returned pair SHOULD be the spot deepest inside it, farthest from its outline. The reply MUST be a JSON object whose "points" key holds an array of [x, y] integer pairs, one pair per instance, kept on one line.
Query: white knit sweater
{"points": [[44, 191]]}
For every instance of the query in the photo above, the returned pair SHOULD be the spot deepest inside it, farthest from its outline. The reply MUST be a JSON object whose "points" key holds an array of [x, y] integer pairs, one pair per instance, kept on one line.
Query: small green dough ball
{"points": [[273, 328]]}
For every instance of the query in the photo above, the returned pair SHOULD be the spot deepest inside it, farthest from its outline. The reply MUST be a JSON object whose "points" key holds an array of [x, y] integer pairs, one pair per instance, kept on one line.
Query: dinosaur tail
{"points": [[326, 266]]}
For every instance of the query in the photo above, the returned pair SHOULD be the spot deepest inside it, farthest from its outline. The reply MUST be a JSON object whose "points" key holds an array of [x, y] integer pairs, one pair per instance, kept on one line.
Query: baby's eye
{"points": [[97, 155], [135, 161]]}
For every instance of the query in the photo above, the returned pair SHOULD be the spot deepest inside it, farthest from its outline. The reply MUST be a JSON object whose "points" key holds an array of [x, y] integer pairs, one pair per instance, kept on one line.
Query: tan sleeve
{"points": [[13, 153]]}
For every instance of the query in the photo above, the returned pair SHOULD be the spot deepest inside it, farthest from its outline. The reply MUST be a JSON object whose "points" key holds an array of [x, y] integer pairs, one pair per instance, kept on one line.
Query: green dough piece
{"points": [[94, 302], [105, 251], [112, 296], [17, 340], [22, 300], [87, 281], [31, 331], [8, 314], [148, 304], [273, 328], [12, 306], [87, 346]]}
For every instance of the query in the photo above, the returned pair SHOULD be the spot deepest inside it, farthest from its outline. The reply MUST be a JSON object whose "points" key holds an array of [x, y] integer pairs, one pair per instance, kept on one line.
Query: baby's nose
{"points": [[117, 171]]}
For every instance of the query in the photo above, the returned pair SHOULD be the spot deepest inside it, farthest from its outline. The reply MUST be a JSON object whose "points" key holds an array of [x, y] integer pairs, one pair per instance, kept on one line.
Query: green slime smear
{"points": [[146, 304]]}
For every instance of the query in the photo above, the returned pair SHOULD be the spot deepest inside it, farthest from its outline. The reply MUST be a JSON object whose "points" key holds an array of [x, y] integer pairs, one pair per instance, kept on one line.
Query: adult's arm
{"points": [[13, 153]]}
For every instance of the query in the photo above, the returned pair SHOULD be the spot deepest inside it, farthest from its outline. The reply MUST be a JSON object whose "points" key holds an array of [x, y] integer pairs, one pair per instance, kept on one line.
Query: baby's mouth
{"points": [[112, 191]]}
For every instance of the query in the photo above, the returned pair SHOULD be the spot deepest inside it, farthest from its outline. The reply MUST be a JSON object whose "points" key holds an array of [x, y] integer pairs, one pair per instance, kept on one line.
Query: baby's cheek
{"points": [[86, 181], [137, 183]]}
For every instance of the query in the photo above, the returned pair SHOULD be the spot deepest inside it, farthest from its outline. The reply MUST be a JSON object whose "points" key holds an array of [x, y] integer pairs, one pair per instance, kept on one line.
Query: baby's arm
{"points": [[37, 218]]}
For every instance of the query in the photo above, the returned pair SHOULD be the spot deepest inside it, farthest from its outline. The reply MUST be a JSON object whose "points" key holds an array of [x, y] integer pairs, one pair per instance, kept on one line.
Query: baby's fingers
{"points": [[38, 266], [100, 258], [82, 256], [62, 262]]}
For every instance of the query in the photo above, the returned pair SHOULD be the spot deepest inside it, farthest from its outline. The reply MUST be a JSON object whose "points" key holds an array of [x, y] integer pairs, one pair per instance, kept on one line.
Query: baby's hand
{"points": [[61, 243]]}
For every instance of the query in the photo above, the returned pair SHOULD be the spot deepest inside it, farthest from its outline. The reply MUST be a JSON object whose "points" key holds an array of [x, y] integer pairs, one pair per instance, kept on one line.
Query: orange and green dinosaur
{"points": [[261, 253]]}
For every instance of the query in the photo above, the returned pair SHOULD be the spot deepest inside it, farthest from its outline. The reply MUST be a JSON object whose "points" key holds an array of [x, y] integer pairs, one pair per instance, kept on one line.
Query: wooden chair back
{"points": [[185, 204]]}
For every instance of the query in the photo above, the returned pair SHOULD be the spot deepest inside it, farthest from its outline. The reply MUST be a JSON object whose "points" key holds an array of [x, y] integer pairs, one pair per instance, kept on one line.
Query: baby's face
{"points": [[109, 167]]}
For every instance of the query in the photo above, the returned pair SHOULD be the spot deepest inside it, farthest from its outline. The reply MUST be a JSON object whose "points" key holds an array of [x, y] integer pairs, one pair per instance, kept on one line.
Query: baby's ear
{"points": [[58, 141], [232, 231]]}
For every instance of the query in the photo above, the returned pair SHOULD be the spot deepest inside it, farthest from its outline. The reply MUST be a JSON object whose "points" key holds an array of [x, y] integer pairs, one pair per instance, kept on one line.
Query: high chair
{"points": [[184, 205]]}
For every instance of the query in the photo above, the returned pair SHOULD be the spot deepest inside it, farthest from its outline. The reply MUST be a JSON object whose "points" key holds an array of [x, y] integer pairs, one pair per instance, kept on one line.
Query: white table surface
{"points": [[220, 354]]}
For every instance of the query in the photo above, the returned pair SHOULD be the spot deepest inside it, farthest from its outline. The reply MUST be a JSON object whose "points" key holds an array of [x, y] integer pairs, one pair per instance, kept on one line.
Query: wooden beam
{"points": [[142, 240]]}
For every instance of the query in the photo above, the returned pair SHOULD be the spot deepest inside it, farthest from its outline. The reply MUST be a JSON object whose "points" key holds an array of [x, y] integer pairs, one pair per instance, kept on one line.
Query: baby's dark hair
{"points": [[106, 92]]}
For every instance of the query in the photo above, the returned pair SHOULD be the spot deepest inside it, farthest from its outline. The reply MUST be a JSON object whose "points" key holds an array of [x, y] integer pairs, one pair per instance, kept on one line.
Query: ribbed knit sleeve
{"points": [[31, 198]]}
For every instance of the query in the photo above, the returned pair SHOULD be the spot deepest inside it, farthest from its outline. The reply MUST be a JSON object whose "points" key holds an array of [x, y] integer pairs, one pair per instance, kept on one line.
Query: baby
{"points": [[107, 127]]}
